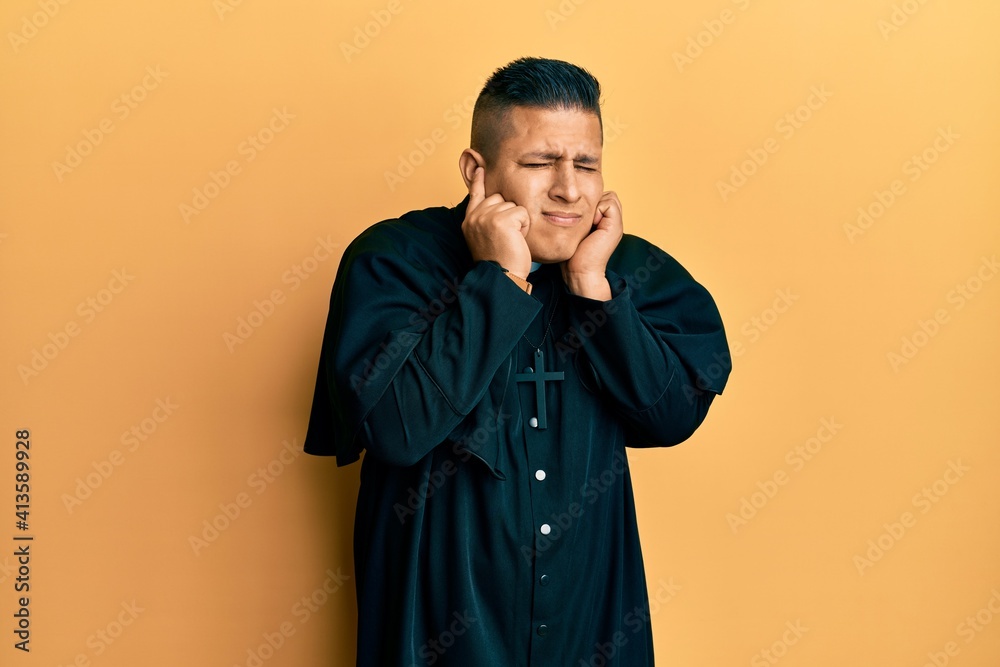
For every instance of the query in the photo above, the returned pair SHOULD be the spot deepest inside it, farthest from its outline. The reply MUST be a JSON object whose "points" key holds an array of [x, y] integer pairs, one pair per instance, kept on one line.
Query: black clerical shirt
{"points": [[490, 532]]}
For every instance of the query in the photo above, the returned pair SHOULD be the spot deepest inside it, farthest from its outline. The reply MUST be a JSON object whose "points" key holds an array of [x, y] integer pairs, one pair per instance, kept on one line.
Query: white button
{"points": [[545, 529], [533, 422], [539, 475]]}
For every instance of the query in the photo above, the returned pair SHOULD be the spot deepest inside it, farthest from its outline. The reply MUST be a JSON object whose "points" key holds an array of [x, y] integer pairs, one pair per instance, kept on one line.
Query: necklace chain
{"points": [[547, 327]]}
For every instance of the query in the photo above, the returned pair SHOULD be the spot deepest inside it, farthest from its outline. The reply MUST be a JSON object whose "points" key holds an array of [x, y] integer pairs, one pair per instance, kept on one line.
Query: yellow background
{"points": [[330, 123]]}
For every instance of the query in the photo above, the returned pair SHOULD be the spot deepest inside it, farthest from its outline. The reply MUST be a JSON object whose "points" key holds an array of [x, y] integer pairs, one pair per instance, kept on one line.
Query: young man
{"points": [[495, 359]]}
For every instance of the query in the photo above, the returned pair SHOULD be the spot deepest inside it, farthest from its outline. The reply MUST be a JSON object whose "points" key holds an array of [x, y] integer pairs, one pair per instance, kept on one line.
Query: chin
{"points": [[551, 256], [554, 250], [548, 260]]}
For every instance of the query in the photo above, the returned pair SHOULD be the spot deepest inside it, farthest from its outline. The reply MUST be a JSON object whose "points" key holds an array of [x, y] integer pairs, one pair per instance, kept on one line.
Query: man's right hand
{"points": [[495, 228]]}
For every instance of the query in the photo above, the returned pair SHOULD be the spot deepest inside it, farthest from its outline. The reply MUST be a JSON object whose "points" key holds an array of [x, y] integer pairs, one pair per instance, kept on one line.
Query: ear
{"points": [[467, 163]]}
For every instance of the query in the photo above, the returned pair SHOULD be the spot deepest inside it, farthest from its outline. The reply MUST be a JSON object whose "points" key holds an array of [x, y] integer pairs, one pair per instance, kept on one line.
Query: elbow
{"points": [[391, 446], [686, 425], [674, 419]]}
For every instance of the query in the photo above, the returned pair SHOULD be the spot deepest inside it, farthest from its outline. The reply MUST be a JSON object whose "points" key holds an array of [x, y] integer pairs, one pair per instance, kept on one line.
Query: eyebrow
{"points": [[583, 158]]}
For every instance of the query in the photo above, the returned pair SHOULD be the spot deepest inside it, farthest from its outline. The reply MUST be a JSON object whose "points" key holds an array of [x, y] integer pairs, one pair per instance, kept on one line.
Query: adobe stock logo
{"points": [[797, 457], [101, 639], [967, 629], [223, 7], [911, 344], [705, 38], [264, 309], [434, 648], [924, 500], [787, 125], [122, 107], [914, 167], [899, 17], [779, 648], [303, 610], [562, 12], [433, 480], [132, 439], [635, 620], [30, 25], [231, 510], [88, 309], [248, 149], [363, 35]]}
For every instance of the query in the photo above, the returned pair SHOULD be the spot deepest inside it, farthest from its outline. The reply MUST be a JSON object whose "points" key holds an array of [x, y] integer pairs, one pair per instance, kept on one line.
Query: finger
{"points": [[611, 219], [618, 202], [524, 218], [509, 214], [477, 189], [609, 206], [602, 206], [496, 199]]}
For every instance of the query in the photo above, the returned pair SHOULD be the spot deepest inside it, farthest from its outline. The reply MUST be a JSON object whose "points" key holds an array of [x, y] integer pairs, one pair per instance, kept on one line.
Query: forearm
{"points": [[640, 375], [444, 367], [589, 286]]}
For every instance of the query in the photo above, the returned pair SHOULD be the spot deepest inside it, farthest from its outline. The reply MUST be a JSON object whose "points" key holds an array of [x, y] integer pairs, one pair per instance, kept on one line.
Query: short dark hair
{"points": [[530, 82]]}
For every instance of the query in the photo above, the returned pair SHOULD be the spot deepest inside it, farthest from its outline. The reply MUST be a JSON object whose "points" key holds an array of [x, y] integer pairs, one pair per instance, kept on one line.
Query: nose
{"points": [[565, 186]]}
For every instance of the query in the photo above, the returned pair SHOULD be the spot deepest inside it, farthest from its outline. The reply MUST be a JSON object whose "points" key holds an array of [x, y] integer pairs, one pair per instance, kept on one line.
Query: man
{"points": [[495, 359]]}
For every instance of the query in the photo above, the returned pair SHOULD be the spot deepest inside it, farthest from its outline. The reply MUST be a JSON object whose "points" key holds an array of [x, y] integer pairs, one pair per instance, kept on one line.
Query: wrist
{"points": [[520, 281], [590, 285]]}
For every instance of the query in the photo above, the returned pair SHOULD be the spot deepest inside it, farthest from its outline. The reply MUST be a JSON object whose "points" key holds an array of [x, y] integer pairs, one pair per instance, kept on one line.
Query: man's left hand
{"points": [[583, 273]]}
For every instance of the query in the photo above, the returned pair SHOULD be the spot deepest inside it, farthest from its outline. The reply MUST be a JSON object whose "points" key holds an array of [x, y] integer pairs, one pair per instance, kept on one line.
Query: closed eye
{"points": [[549, 164]]}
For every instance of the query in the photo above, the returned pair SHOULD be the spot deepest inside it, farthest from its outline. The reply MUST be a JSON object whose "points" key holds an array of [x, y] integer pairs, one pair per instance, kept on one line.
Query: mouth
{"points": [[562, 218]]}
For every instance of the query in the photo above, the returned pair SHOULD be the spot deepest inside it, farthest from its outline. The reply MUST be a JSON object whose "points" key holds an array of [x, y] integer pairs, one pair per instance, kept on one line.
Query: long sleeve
{"points": [[657, 349], [409, 350], [423, 346]]}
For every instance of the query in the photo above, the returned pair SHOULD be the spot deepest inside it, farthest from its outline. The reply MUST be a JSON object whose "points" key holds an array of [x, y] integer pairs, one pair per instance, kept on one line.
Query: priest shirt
{"points": [[495, 523]]}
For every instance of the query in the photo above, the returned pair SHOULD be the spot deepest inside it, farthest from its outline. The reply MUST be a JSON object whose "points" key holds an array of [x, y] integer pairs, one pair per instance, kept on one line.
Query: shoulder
{"points": [[638, 260], [417, 236], [422, 226]]}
